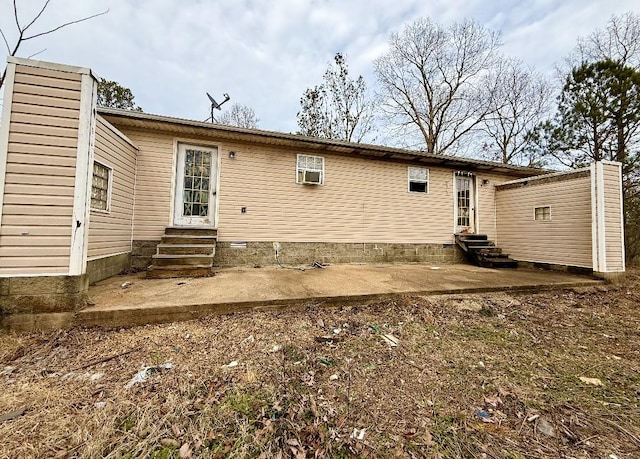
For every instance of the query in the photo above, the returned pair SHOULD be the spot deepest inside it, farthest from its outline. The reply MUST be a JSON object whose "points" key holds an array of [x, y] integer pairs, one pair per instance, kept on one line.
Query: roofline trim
{"points": [[476, 163]]}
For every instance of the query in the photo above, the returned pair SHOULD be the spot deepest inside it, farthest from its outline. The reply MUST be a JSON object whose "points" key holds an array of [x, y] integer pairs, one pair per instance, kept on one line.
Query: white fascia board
{"points": [[545, 176]]}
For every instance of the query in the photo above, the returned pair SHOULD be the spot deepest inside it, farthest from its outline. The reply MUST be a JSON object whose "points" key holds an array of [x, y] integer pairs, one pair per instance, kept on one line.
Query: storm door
{"points": [[195, 186]]}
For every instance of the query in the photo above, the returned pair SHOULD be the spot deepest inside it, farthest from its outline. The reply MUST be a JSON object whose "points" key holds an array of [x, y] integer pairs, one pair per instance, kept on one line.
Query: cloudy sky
{"points": [[265, 53]]}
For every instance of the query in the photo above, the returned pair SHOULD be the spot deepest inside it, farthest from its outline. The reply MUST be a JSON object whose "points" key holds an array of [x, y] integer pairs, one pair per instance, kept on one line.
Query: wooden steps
{"points": [[184, 252], [483, 252]]}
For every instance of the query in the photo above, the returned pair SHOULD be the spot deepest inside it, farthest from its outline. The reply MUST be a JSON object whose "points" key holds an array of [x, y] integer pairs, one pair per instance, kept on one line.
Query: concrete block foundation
{"points": [[102, 268], [141, 253], [303, 253], [299, 253], [42, 294]]}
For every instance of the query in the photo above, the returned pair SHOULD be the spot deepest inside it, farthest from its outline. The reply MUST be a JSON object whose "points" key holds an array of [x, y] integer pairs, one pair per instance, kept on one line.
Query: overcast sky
{"points": [[265, 53]]}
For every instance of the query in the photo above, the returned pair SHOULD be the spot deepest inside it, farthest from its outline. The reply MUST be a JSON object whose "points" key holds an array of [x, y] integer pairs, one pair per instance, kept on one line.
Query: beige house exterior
{"points": [[86, 193]]}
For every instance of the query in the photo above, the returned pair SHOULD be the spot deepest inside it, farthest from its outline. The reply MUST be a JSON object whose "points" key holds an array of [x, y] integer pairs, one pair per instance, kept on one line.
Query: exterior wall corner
{"points": [[83, 177]]}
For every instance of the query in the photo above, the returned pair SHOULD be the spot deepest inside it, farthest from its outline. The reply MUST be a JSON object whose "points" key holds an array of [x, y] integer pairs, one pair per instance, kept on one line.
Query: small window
{"points": [[100, 187], [418, 180], [543, 213], [310, 170]]}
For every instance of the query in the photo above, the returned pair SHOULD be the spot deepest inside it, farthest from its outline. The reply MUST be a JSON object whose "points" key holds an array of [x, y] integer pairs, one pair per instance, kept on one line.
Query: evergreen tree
{"points": [[112, 94]]}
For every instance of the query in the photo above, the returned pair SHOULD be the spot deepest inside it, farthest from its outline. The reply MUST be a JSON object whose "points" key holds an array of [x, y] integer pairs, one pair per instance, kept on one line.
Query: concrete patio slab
{"points": [[231, 290], [145, 301]]}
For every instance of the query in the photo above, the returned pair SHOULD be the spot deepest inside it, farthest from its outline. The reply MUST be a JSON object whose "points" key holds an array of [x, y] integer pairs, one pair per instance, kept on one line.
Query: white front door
{"points": [[464, 205], [195, 186]]}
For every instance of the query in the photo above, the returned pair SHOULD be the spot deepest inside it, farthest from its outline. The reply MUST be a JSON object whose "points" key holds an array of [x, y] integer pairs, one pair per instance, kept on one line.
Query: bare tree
{"points": [[429, 81], [521, 101], [25, 35], [339, 108], [618, 41], [239, 116]]}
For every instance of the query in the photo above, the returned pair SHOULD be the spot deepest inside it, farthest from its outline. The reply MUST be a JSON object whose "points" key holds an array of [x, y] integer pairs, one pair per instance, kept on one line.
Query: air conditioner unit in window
{"points": [[311, 178]]}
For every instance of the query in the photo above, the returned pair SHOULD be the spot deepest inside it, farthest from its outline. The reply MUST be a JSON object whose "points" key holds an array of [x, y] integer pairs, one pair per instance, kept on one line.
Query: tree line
{"points": [[450, 90]]}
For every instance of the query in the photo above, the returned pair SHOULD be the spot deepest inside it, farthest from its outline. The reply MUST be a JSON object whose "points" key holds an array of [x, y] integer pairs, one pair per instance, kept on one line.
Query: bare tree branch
{"points": [[339, 108], [5, 41], [522, 99], [240, 116], [430, 79], [21, 31], [65, 25], [44, 7], [15, 16], [36, 53]]}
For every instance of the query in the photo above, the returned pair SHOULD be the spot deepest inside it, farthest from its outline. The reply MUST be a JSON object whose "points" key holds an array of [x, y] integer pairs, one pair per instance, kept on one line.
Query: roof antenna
{"points": [[216, 105]]}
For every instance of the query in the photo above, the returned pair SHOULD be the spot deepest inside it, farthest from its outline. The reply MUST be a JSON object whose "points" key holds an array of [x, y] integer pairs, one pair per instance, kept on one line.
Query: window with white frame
{"points": [[418, 179], [542, 213], [310, 170], [100, 187]]}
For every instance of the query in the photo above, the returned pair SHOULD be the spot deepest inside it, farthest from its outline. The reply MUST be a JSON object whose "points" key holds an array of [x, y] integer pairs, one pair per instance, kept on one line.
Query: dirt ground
{"points": [[555, 374]]}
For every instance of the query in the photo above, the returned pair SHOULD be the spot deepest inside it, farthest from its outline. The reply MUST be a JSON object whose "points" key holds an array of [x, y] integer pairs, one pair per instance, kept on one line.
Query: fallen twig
{"points": [[102, 360]]}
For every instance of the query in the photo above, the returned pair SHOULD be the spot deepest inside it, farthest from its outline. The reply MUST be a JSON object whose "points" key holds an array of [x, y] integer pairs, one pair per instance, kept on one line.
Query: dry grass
{"points": [[515, 358]]}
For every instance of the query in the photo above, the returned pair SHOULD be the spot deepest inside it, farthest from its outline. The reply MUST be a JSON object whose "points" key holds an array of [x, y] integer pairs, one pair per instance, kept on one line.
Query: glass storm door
{"points": [[195, 186], [464, 210]]}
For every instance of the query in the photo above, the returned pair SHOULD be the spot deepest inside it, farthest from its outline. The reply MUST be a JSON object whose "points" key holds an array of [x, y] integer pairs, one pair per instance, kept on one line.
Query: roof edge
{"points": [[362, 148]]}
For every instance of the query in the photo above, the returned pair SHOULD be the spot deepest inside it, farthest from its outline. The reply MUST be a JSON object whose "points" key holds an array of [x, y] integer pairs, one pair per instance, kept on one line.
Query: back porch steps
{"points": [[184, 252], [482, 252]]}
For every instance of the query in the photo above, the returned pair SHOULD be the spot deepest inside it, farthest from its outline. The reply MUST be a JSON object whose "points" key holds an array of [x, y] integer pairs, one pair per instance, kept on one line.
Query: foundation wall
{"points": [[304, 253], [42, 294], [102, 268]]}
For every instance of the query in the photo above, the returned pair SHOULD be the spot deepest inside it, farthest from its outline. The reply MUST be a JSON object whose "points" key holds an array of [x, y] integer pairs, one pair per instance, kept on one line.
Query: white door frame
{"points": [[471, 178], [179, 219]]}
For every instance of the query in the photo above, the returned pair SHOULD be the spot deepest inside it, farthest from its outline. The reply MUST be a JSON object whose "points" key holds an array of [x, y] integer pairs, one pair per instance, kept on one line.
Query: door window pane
{"points": [[197, 168], [463, 187]]}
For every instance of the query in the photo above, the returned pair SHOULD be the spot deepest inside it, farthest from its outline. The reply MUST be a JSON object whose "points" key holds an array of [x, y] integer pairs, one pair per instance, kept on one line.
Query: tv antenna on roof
{"points": [[216, 105]]}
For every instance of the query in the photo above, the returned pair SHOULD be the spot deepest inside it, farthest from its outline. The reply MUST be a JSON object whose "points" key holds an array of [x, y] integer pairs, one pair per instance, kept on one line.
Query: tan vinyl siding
{"points": [[612, 218], [153, 183], [362, 200], [110, 233], [563, 240], [486, 203], [35, 235]]}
